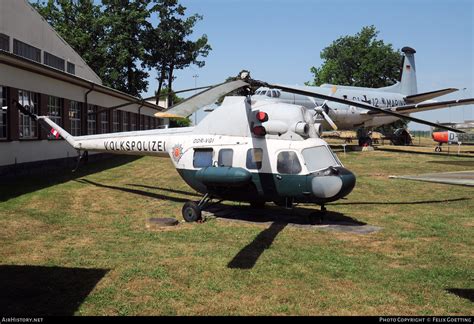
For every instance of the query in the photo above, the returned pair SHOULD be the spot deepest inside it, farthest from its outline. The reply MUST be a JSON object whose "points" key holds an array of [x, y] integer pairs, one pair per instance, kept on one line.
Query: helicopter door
{"points": [[288, 181]]}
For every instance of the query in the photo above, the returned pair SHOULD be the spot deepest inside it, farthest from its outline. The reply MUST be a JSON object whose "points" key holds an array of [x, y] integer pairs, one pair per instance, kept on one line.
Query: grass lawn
{"points": [[78, 244]]}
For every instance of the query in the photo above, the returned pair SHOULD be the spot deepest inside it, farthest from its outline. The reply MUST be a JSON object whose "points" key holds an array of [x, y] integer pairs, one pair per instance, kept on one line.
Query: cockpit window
{"points": [[318, 158], [269, 93], [288, 163]]}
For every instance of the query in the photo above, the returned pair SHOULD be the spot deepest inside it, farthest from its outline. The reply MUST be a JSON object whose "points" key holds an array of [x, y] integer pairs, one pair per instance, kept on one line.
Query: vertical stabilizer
{"points": [[408, 79]]}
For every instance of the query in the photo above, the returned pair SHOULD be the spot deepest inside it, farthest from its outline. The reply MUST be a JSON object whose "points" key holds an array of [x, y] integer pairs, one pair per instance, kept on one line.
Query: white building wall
{"points": [[12, 153]]}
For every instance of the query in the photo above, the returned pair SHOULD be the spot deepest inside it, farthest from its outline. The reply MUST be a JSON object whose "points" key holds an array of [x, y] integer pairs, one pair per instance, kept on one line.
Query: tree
{"points": [[167, 46], [109, 37], [361, 60], [126, 21]]}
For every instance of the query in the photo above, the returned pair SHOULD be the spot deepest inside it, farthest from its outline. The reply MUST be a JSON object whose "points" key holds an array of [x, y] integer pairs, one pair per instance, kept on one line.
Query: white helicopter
{"points": [[246, 150]]}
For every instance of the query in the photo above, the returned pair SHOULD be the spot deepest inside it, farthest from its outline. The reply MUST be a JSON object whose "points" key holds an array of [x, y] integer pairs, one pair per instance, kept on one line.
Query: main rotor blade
{"points": [[185, 90], [145, 99], [357, 104], [206, 97]]}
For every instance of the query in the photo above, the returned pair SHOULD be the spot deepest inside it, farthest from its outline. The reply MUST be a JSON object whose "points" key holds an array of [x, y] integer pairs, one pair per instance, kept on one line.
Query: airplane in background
{"points": [[450, 137], [402, 97]]}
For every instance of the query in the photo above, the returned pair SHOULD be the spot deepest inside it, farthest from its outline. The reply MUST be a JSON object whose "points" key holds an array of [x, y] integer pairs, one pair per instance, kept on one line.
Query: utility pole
{"points": [[195, 76]]}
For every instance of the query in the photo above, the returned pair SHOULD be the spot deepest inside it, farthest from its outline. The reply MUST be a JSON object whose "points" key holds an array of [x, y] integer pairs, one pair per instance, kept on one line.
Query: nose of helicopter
{"points": [[333, 184]]}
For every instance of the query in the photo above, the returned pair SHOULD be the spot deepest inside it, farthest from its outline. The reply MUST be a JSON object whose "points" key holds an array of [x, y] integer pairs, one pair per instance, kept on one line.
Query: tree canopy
{"points": [[118, 41], [360, 60]]}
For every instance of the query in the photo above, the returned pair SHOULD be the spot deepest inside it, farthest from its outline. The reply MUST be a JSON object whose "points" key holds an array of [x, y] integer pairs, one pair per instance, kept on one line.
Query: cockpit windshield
{"points": [[319, 157]]}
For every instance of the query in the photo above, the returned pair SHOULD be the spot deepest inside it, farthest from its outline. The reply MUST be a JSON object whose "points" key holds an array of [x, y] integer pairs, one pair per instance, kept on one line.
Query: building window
{"points": [[115, 121], [254, 158], [75, 118], [104, 123], [54, 112], [3, 112], [288, 163], [53, 61], [71, 68], [91, 119], [28, 127], [202, 158], [124, 121], [27, 51], [146, 124], [133, 121], [4, 42]]}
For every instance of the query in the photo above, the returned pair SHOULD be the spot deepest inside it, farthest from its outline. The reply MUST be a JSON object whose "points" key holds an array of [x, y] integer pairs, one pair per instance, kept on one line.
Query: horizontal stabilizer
{"points": [[419, 97]]}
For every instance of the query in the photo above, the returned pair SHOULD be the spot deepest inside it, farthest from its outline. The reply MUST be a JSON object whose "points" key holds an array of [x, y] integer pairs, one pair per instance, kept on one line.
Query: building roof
{"points": [[44, 70]]}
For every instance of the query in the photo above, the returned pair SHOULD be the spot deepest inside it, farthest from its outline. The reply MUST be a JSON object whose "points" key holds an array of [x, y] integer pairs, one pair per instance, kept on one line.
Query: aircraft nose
{"points": [[334, 183]]}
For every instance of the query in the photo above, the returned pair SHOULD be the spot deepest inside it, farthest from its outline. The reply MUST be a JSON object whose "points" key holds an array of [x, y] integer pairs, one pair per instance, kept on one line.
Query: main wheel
{"points": [[191, 212], [438, 149]]}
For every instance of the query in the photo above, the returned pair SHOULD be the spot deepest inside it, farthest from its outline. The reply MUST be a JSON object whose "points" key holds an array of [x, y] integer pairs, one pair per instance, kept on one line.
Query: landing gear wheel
{"points": [[257, 204], [191, 212], [438, 149]]}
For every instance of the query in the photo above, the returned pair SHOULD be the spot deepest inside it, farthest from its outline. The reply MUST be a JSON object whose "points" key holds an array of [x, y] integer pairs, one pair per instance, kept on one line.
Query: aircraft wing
{"points": [[419, 97], [204, 98], [426, 106]]}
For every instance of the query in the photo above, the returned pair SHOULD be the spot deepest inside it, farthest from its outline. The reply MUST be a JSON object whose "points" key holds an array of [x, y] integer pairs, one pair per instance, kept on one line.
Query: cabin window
{"points": [[288, 163], [254, 158], [318, 158], [225, 157], [202, 158]]}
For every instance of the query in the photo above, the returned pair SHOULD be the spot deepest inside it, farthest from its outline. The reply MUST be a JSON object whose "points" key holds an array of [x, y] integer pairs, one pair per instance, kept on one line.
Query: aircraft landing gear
{"points": [[318, 216], [192, 211], [438, 148]]}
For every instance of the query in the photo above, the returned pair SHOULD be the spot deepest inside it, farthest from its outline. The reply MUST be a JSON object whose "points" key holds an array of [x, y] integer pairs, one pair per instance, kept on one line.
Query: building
{"points": [[41, 71]]}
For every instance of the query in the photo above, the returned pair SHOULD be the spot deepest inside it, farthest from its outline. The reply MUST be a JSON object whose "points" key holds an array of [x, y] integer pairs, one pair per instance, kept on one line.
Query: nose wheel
{"points": [[192, 211]]}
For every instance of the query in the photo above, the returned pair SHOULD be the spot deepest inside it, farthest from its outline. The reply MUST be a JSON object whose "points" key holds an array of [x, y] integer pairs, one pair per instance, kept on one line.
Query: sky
{"points": [[280, 40]]}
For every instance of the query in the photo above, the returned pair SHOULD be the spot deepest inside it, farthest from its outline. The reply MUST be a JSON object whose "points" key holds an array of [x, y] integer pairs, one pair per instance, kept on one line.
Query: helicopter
{"points": [[246, 150]]}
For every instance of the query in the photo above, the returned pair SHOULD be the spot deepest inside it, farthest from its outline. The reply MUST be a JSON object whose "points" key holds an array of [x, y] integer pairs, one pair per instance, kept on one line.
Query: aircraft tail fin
{"points": [[408, 72]]}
